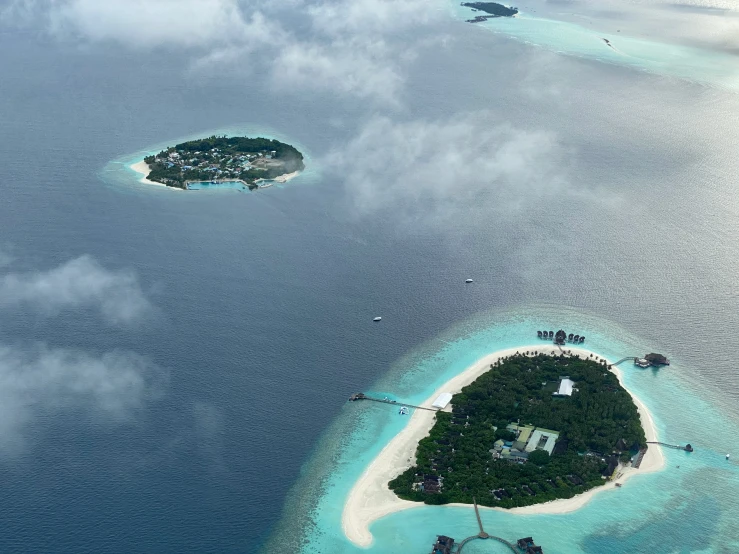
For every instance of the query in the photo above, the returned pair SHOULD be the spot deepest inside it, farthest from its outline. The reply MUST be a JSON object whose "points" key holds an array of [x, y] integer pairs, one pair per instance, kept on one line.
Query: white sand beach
{"points": [[371, 499], [143, 168]]}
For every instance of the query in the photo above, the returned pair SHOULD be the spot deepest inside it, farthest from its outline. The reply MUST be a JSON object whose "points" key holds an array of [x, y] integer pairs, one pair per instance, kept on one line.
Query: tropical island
{"points": [[529, 430], [219, 159], [492, 8]]}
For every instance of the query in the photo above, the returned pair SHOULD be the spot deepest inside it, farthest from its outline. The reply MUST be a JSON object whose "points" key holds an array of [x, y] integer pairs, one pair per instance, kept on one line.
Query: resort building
{"points": [[542, 439], [528, 439], [565, 387]]}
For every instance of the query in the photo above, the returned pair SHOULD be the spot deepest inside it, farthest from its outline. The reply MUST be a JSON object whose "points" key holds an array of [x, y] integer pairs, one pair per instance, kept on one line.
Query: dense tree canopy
{"points": [[598, 421], [219, 157]]}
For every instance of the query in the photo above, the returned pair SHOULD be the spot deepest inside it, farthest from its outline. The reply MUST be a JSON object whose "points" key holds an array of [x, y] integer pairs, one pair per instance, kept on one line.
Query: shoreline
{"points": [[143, 169], [370, 498]]}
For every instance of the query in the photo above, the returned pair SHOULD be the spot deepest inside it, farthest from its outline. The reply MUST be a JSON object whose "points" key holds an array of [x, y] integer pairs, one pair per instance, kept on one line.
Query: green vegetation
{"points": [[597, 425], [224, 158], [497, 10]]}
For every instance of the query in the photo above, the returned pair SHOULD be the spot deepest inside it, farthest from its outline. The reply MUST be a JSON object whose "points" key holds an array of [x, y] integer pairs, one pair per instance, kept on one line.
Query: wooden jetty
{"points": [[362, 396], [687, 447]]}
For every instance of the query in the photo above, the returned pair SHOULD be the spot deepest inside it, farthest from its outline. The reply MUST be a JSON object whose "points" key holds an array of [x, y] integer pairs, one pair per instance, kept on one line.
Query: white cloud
{"points": [[79, 283], [42, 380], [354, 67], [139, 23], [349, 47], [338, 17], [440, 169]]}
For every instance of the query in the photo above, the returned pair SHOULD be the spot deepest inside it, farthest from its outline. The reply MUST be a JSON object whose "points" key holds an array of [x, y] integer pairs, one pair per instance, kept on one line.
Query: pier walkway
{"points": [[624, 359], [687, 448], [483, 535], [360, 396]]}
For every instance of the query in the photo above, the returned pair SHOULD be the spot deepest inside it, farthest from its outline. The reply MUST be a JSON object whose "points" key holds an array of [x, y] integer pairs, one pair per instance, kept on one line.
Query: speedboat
{"points": [[377, 319], [468, 281]]}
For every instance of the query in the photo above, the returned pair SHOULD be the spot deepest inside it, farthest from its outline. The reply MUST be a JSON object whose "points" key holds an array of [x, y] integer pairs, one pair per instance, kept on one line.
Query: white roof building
{"points": [[442, 400], [565, 387], [542, 439]]}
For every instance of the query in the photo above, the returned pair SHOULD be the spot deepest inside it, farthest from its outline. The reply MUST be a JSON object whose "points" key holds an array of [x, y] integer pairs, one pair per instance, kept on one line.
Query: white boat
{"points": [[468, 281], [728, 456], [377, 319]]}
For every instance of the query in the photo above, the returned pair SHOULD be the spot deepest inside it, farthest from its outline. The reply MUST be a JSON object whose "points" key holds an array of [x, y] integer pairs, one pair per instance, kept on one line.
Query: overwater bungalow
{"points": [[560, 337], [525, 542], [582, 338], [443, 545], [569, 337], [576, 338], [538, 334]]}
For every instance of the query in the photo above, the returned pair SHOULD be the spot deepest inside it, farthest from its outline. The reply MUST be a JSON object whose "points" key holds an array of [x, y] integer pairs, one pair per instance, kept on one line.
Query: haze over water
{"points": [[576, 193]]}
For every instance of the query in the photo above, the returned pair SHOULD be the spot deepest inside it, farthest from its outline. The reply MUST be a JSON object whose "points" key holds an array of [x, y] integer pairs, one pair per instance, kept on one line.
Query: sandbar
{"points": [[370, 498]]}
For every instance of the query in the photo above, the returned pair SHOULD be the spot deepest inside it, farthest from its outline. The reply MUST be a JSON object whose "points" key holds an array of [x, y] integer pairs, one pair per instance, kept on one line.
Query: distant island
{"points": [[492, 8], [529, 430], [219, 159]]}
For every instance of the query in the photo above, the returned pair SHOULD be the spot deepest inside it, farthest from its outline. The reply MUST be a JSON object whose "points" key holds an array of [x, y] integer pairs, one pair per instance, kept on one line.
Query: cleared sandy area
{"points": [[371, 499]]}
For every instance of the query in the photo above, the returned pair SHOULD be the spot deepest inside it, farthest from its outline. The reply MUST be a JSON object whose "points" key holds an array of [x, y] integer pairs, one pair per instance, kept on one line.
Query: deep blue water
{"points": [[263, 302]]}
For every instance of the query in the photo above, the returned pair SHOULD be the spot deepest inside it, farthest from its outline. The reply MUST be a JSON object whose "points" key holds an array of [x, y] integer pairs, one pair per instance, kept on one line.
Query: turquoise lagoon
{"points": [[698, 65], [118, 173], [692, 508]]}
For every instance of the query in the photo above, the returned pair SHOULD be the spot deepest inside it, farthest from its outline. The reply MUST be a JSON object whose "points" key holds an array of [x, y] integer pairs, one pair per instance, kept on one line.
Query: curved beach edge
{"points": [[143, 169], [370, 498]]}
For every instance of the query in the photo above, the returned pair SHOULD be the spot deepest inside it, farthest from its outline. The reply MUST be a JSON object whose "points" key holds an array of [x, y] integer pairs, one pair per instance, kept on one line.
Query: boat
{"points": [[728, 456], [619, 484], [468, 281], [378, 318]]}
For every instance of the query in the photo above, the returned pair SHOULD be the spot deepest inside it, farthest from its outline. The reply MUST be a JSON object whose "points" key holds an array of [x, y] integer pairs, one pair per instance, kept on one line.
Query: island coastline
{"points": [[370, 498], [143, 169]]}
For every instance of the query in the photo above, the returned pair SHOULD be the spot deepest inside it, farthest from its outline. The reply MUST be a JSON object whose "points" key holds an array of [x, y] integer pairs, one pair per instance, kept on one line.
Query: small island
{"points": [[492, 8], [529, 430], [221, 159]]}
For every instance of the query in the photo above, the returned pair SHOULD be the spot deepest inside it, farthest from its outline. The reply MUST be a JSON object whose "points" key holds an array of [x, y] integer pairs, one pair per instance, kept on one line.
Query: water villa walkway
{"points": [[483, 535]]}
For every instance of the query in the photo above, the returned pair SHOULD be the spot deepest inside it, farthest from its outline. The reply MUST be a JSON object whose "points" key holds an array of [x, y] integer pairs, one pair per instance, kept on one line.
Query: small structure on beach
{"points": [[442, 400]]}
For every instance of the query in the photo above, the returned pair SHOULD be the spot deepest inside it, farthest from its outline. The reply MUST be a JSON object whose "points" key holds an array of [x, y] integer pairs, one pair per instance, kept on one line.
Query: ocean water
{"points": [[263, 301]]}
